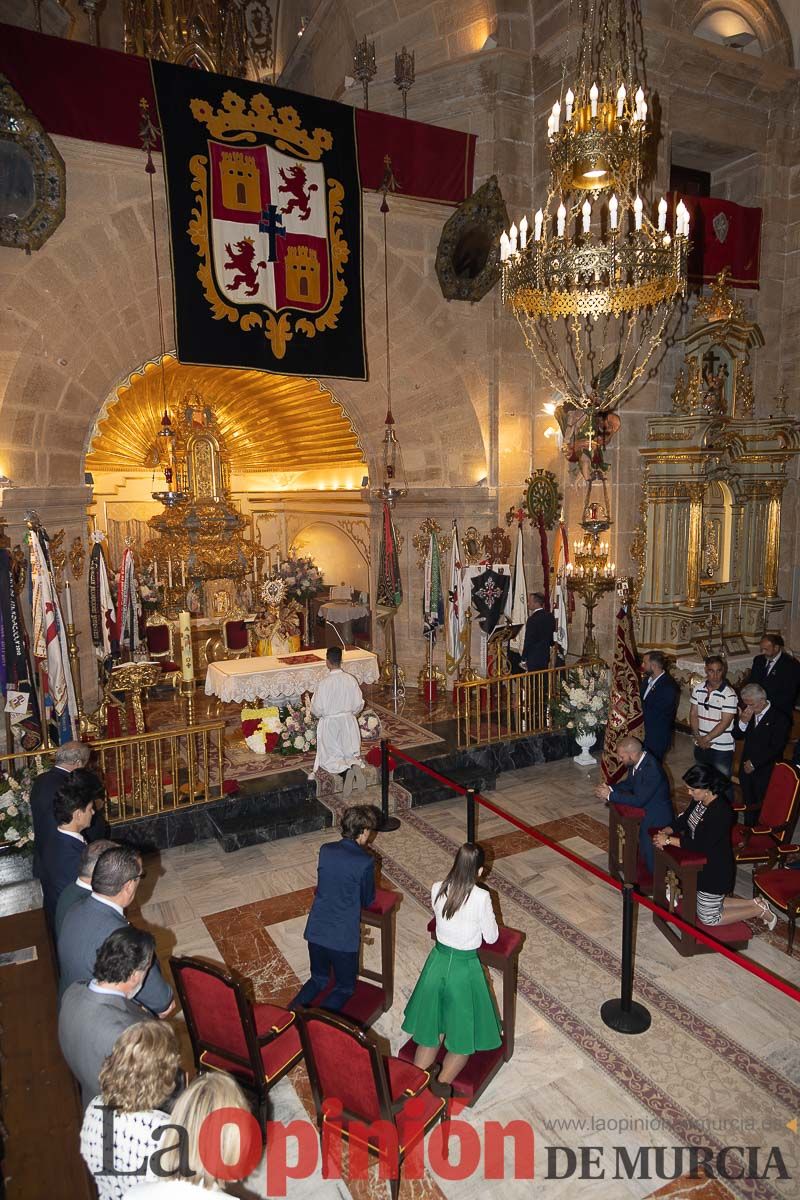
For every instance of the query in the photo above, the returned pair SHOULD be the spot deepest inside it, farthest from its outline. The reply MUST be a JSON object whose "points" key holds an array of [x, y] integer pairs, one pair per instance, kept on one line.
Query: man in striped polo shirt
{"points": [[711, 716]]}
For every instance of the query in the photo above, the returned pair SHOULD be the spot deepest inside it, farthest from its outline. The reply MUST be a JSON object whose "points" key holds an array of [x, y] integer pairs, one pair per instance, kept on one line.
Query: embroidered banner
{"points": [[265, 224], [723, 234]]}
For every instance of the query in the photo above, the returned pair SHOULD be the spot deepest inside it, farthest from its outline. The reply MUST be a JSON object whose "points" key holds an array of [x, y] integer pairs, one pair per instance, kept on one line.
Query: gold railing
{"points": [[150, 773], [506, 707]]}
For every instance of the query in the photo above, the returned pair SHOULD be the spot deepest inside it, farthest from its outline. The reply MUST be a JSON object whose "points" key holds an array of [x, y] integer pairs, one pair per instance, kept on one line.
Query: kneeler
{"points": [[481, 1067], [675, 888], [374, 992], [624, 860]]}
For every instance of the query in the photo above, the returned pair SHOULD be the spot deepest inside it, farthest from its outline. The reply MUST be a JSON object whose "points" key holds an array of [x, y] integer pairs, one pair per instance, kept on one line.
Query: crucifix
{"points": [[272, 225]]}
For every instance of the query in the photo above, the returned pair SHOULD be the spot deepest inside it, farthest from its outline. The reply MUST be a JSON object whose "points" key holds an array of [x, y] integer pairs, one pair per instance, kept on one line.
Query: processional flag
{"points": [[519, 595], [49, 636], [127, 628], [102, 613], [489, 595], [390, 585], [17, 679], [624, 706], [457, 602], [561, 614], [433, 600], [265, 224]]}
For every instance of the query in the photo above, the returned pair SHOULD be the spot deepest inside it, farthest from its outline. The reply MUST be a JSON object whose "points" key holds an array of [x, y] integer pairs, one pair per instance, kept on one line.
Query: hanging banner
{"points": [[723, 234], [265, 225]]}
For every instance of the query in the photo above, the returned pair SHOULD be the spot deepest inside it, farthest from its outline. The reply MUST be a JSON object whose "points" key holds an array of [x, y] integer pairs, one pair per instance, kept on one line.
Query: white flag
{"points": [[49, 635], [519, 596], [455, 625], [561, 635]]}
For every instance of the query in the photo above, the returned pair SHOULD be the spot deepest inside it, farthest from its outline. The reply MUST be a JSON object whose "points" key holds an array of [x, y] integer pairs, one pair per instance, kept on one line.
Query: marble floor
{"points": [[719, 1066]]}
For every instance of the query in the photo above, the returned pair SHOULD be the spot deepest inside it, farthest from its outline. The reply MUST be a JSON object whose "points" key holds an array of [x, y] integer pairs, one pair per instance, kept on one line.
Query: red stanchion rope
{"points": [[759, 972]]}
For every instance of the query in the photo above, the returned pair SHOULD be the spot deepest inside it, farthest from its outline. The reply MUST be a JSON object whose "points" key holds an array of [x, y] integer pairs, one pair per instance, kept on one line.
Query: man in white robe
{"points": [[336, 703]]}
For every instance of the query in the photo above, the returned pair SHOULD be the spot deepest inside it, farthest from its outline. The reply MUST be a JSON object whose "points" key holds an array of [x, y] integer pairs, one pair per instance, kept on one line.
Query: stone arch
{"points": [[765, 16], [358, 569]]}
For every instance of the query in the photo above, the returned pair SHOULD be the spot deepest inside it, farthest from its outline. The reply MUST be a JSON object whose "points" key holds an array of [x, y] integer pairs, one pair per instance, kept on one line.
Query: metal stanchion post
{"points": [[388, 824], [470, 814], [626, 1015]]}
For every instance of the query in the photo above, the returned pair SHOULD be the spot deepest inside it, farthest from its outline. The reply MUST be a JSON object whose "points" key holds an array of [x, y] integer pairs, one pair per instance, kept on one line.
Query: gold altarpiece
{"points": [[714, 474]]}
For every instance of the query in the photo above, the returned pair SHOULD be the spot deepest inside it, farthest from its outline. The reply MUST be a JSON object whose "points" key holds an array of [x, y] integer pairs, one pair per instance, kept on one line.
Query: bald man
{"points": [[645, 786]]}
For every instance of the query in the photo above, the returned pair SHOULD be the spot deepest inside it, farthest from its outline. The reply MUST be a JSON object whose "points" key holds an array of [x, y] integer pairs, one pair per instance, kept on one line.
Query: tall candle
{"points": [[183, 574], [155, 571], [68, 603], [169, 571], [187, 659]]}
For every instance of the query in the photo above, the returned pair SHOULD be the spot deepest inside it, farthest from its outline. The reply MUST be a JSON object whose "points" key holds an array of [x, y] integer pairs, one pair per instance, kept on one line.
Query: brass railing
{"points": [[505, 707], [152, 773]]}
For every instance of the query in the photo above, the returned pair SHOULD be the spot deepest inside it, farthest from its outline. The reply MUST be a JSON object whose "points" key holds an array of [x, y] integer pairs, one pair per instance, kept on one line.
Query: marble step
{"points": [[425, 790], [234, 830]]}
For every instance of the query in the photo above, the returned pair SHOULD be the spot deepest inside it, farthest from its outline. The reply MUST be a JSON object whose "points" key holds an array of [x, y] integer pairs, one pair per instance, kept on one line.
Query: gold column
{"points": [[772, 543], [695, 547]]}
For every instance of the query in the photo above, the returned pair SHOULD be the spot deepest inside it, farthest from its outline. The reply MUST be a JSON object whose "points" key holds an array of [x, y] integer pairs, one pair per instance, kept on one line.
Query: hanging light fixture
{"points": [[394, 483], [593, 280]]}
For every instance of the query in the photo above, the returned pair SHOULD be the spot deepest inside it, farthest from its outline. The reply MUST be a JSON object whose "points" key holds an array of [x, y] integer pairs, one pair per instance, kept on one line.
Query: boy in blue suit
{"points": [[645, 786], [345, 885]]}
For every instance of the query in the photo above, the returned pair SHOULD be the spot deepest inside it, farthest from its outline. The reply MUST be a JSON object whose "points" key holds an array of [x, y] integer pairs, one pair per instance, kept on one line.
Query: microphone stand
{"points": [[336, 631]]}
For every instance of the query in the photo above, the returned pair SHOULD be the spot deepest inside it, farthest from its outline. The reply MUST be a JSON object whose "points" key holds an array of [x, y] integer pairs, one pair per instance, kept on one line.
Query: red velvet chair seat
{"points": [[409, 1129], [405, 1078], [779, 886], [166, 666], [759, 845], [362, 1005], [737, 931], [384, 901]]}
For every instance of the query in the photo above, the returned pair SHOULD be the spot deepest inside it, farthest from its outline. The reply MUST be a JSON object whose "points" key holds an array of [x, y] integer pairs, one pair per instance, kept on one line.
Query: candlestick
{"points": [[183, 574], [613, 205], [169, 570], [68, 603], [155, 571], [593, 97], [569, 100]]}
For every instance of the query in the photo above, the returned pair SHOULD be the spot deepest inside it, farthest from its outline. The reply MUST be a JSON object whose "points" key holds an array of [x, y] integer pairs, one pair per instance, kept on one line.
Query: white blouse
{"points": [[133, 1145], [472, 924]]}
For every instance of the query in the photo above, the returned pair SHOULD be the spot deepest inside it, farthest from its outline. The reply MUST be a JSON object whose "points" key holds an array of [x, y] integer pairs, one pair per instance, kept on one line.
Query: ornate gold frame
{"points": [[19, 126]]}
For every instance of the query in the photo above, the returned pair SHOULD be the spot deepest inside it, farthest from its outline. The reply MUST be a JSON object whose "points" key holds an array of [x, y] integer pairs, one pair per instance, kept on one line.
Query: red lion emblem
{"points": [[242, 261], [294, 184]]}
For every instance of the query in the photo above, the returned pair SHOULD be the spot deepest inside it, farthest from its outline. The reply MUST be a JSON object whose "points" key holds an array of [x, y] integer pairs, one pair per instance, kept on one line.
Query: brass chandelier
{"points": [[593, 280]]}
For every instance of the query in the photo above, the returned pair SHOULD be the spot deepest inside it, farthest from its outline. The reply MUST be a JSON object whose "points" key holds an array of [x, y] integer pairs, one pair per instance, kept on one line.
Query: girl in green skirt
{"points": [[452, 1001]]}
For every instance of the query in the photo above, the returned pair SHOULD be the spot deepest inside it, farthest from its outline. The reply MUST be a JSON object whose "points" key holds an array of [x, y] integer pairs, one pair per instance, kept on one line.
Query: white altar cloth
{"points": [[249, 679]]}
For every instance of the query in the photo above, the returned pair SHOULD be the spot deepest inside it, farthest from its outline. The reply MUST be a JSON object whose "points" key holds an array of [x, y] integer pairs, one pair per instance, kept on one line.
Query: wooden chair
{"points": [[362, 1097], [481, 1067], [779, 884], [778, 817], [675, 888], [235, 635], [256, 1043]]}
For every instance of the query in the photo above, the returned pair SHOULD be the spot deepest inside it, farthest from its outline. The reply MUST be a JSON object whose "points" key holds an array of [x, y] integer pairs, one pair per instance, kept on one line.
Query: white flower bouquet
{"points": [[16, 826], [370, 725], [303, 578], [298, 733], [581, 704]]}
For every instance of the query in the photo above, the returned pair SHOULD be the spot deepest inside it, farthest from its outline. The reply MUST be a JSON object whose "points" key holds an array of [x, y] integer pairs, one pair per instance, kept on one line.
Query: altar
{"points": [[280, 678]]}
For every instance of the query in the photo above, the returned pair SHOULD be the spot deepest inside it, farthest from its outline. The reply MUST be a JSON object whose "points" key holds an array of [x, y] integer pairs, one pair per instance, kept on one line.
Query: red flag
{"points": [[624, 705], [723, 234]]}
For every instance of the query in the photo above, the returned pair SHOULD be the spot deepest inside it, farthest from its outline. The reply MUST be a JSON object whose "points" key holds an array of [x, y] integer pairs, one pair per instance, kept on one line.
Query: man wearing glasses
{"points": [[713, 709]]}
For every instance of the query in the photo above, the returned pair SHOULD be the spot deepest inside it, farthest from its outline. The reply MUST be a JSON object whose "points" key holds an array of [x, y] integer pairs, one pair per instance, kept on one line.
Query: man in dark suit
{"points": [[659, 696], [69, 757], [95, 1012], [777, 673], [345, 885], [764, 729], [73, 809], [89, 922], [539, 630], [645, 786], [80, 887]]}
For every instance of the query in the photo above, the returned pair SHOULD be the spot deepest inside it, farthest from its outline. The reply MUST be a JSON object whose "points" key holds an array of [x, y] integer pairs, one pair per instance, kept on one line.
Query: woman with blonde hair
{"points": [[137, 1080], [184, 1169], [452, 1002]]}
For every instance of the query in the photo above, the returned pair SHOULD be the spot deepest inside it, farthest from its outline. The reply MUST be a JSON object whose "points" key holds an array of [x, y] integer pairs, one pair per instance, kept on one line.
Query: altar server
{"points": [[336, 703]]}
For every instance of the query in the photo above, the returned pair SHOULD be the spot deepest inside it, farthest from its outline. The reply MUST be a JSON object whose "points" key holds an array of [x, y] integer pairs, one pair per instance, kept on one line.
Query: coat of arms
{"points": [[265, 227], [265, 222]]}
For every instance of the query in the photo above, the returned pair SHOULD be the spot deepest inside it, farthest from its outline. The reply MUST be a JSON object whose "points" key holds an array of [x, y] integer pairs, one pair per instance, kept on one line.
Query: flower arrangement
{"points": [[261, 728], [581, 705], [298, 730], [16, 826], [303, 578], [370, 725]]}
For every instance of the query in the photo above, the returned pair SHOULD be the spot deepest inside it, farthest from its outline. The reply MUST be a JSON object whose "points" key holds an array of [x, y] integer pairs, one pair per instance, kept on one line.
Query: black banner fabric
{"points": [[265, 225]]}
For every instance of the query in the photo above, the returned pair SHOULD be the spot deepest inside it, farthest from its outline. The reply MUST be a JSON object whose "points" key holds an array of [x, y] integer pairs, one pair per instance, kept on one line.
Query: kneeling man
{"points": [[336, 703], [645, 786]]}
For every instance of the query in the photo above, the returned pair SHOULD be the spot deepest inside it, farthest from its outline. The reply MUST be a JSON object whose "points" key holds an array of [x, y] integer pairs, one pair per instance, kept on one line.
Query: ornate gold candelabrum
{"points": [[591, 575], [75, 668]]}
